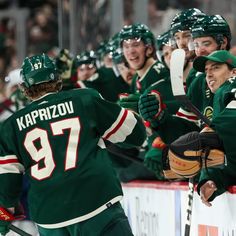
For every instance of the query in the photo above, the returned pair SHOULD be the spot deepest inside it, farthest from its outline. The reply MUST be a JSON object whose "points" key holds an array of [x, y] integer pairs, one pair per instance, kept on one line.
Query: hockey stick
{"points": [[18, 230], [117, 151], [176, 75], [189, 207]]}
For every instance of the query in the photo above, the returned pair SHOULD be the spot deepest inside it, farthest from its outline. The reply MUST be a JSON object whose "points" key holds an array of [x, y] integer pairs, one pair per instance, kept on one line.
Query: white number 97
{"points": [[43, 157], [37, 65]]}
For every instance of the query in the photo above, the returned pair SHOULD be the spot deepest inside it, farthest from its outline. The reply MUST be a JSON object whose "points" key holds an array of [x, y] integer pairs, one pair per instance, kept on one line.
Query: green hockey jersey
{"points": [[57, 141], [186, 121], [107, 84], [153, 74], [223, 123]]}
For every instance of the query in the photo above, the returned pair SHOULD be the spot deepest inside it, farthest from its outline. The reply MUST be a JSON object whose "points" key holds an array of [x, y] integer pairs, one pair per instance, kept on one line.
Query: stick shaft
{"points": [[18, 230], [189, 207]]}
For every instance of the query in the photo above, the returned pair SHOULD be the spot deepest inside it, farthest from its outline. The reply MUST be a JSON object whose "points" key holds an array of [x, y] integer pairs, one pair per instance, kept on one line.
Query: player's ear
{"points": [[224, 43], [234, 72]]}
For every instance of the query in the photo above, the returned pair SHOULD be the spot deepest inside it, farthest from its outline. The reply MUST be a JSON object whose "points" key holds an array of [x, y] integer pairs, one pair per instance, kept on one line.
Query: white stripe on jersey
{"points": [[231, 105], [187, 115], [121, 128], [10, 164]]}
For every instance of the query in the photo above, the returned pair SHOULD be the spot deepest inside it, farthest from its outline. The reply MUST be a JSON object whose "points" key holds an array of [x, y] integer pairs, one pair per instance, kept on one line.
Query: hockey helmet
{"points": [[86, 57], [38, 69], [185, 19], [211, 26], [138, 30], [162, 40]]}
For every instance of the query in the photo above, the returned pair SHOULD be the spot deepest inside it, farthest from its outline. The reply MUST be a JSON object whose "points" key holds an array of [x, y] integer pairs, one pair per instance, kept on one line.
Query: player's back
{"points": [[56, 138]]}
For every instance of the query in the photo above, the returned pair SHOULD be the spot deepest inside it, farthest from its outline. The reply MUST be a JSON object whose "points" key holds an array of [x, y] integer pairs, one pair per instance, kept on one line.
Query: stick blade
{"points": [[176, 71]]}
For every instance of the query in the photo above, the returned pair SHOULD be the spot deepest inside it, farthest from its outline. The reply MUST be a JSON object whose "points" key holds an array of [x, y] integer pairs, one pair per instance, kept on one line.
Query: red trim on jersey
{"points": [[118, 125], [3, 162], [186, 116]]}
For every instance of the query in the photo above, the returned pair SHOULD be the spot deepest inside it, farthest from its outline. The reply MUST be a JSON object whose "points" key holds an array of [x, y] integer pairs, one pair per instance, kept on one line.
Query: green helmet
{"points": [[214, 26], [118, 56], [137, 30], [185, 19], [102, 48], [163, 39], [112, 44], [38, 69], [86, 57]]}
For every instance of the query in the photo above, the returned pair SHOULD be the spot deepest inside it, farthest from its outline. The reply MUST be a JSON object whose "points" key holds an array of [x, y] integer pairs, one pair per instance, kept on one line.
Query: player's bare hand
{"points": [[206, 192]]}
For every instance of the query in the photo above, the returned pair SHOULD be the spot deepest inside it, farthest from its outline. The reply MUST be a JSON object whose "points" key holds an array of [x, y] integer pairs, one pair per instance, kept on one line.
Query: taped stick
{"points": [[176, 75], [177, 62], [189, 207]]}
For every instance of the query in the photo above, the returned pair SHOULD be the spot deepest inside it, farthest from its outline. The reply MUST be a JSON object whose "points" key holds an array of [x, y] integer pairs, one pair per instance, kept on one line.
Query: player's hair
{"points": [[38, 90]]}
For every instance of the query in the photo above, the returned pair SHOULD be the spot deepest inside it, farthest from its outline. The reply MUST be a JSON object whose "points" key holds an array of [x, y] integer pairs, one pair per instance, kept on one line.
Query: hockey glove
{"points": [[193, 151], [153, 158], [5, 220], [212, 146], [167, 171], [151, 107], [64, 62], [129, 101]]}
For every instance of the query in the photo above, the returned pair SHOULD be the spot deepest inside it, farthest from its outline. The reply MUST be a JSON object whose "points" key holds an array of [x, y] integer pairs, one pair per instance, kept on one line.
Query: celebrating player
{"points": [[57, 141]]}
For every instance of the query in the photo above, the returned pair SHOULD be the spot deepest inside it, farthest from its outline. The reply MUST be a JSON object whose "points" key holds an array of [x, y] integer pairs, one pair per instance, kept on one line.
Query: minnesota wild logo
{"points": [[208, 111]]}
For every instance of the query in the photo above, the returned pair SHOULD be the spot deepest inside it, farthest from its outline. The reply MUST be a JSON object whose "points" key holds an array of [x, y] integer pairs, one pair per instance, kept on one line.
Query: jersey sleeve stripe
{"points": [[10, 164], [15, 168], [116, 125], [187, 115], [3, 162], [121, 128], [8, 157], [231, 105]]}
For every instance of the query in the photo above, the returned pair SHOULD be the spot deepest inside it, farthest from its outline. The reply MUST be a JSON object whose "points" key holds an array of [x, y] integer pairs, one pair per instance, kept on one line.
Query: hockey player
{"points": [[220, 69], [85, 64], [164, 48], [57, 141], [210, 33], [180, 28], [102, 79], [181, 36], [120, 66], [139, 47]]}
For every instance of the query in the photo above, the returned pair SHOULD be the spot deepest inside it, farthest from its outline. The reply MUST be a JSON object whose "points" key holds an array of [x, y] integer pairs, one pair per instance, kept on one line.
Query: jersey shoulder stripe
{"points": [[121, 128]]}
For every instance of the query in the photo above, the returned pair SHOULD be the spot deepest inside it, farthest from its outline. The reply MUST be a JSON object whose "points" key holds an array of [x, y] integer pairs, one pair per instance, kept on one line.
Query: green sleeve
{"points": [[117, 124], [172, 127], [220, 177], [10, 177]]}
